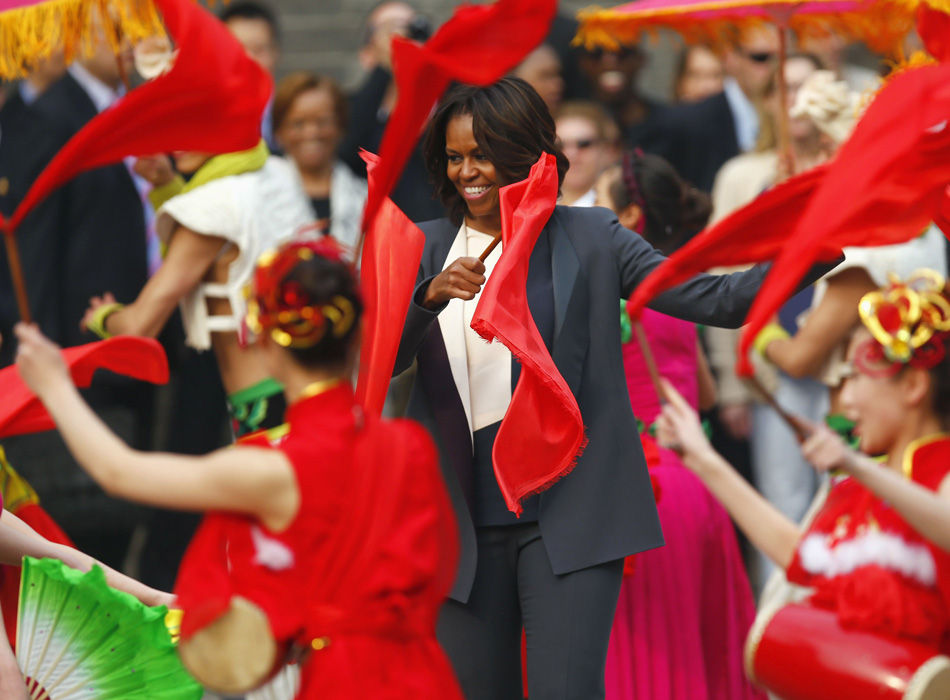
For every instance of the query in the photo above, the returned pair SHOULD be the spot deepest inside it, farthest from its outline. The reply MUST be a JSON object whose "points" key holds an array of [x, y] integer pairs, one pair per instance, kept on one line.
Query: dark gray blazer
{"points": [[604, 509]]}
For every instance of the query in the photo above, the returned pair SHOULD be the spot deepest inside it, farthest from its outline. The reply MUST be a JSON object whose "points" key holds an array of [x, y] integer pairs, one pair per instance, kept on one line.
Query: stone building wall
{"points": [[324, 36]]}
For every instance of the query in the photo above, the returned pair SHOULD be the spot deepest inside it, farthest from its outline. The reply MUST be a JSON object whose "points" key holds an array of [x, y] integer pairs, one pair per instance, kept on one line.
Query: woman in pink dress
{"points": [[685, 609]]}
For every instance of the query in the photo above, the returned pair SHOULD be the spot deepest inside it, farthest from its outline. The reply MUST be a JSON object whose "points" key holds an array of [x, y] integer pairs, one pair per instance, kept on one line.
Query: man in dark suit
{"points": [[27, 142], [374, 100], [698, 137], [89, 236]]}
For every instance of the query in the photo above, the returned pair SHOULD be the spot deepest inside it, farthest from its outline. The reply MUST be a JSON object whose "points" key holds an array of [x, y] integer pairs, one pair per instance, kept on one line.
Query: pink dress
{"points": [[683, 614]]}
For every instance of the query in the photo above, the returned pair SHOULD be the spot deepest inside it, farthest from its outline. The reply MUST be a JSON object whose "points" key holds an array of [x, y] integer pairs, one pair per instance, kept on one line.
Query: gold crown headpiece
{"points": [[283, 308], [909, 322]]}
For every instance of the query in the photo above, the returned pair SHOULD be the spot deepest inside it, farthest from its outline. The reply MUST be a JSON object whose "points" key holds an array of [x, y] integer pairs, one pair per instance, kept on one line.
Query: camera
{"points": [[419, 29]]}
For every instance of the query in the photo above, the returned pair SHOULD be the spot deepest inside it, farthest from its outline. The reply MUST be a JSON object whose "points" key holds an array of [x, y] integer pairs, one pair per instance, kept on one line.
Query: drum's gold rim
{"points": [[754, 638], [253, 635], [920, 682]]}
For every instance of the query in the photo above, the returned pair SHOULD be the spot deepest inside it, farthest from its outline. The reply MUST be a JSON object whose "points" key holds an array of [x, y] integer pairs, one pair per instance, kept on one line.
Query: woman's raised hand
{"points": [[156, 169], [94, 303], [678, 427], [825, 449], [39, 360], [461, 280]]}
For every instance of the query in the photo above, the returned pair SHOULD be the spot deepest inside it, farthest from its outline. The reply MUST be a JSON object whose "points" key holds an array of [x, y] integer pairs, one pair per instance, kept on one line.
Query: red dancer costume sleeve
{"points": [[364, 566]]}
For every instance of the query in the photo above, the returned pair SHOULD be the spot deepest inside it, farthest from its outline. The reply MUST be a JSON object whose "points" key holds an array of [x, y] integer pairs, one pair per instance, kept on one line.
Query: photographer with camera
{"points": [[373, 102]]}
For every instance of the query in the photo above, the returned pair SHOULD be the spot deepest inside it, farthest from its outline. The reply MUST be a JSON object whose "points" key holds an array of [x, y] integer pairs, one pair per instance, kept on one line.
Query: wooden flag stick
{"points": [[649, 359], [491, 246], [16, 274], [796, 424]]}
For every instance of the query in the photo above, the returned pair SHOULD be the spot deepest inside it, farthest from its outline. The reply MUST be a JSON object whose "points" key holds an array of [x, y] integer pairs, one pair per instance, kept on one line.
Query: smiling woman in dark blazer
{"points": [[557, 569]]}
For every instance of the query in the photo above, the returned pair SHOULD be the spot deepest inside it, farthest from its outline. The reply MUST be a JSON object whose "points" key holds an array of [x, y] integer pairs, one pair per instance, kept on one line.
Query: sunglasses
{"points": [[580, 144], [760, 56], [621, 53]]}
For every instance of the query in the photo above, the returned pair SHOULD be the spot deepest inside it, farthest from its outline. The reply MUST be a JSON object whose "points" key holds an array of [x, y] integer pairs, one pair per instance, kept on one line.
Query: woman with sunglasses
{"points": [[876, 556], [332, 536], [589, 139], [556, 569]]}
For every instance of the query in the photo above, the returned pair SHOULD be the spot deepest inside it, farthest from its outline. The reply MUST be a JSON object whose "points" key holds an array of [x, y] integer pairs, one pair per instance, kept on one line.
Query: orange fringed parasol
{"points": [[881, 24], [31, 30]]}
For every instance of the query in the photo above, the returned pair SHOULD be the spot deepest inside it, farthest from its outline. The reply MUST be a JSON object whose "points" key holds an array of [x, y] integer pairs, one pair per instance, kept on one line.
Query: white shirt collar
{"points": [[102, 95], [744, 115]]}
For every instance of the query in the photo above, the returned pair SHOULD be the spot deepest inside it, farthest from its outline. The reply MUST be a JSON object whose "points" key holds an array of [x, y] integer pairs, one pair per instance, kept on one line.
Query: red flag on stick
{"points": [[752, 234], [211, 101], [478, 45], [888, 181], [388, 273], [885, 186], [933, 27], [542, 433], [140, 358]]}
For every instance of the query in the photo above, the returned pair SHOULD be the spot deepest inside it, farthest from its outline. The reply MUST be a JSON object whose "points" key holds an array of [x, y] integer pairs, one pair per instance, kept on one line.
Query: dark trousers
{"points": [[567, 621]]}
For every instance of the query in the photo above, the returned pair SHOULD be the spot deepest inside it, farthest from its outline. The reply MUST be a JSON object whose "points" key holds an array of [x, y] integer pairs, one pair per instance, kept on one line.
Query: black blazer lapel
{"points": [[570, 303]]}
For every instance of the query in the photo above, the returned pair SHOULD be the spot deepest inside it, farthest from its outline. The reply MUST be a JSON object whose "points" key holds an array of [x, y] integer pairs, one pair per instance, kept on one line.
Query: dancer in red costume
{"points": [[335, 529], [877, 554]]}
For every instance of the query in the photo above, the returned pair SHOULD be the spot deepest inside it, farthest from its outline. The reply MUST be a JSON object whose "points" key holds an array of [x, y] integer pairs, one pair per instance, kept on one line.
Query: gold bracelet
{"points": [[772, 331], [97, 324]]}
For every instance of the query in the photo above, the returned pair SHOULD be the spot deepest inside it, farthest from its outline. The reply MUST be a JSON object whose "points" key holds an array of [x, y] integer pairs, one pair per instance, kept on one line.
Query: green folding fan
{"points": [[79, 638]]}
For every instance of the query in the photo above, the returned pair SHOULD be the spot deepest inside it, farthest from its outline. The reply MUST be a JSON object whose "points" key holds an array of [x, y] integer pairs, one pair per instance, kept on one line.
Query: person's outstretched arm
{"points": [[12, 686], [250, 480], [18, 540], [826, 327], [928, 512], [187, 261], [769, 530]]}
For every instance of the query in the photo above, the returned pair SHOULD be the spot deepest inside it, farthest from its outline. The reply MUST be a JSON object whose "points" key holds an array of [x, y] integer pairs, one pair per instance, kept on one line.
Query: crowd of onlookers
{"points": [[719, 133]]}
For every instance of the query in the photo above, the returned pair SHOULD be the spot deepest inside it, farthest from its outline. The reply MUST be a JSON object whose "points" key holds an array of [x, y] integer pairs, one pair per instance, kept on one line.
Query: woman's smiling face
{"points": [[473, 175]]}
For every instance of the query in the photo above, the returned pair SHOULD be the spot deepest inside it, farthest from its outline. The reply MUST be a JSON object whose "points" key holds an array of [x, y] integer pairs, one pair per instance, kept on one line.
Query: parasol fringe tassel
{"points": [[28, 35], [881, 26], [939, 5]]}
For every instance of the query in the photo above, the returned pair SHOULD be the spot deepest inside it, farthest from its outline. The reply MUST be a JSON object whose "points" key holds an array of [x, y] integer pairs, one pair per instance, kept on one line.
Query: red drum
{"points": [[799, 652]]}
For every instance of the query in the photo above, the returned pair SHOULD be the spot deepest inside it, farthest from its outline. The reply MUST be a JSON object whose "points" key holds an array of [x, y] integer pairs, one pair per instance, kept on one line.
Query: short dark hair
{"points": [[512, 126], [250, 9]]}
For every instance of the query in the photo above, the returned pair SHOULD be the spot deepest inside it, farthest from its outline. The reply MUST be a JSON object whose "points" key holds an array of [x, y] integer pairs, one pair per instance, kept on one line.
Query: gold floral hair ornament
{"points": [[283, 308], [909, 322]]}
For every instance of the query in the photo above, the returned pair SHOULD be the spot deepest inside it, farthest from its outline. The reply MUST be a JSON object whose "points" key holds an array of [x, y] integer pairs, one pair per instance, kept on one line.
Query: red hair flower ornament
{"points": [[909, 322], [283, 308]]}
